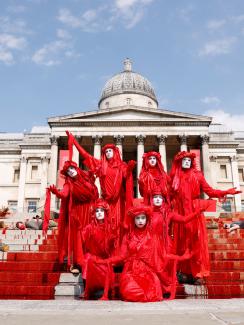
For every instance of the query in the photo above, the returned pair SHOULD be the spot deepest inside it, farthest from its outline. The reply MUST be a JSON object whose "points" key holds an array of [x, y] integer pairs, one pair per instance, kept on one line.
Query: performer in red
{"points": [[143, 278], [98, 242], [187, 185], [152, 176], [77, 197], [115, 177]]}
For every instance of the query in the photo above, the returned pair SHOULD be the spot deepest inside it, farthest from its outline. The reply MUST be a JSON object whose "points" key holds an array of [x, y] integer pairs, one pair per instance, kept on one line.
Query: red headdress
{"points": [[100, 203], [140, 209], [176, 169], [67, 164], [146, 165], [116, 160]]}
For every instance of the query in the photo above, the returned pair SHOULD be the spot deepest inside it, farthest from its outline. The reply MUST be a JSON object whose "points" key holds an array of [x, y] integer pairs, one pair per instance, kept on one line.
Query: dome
{"points": [[128, 83]]}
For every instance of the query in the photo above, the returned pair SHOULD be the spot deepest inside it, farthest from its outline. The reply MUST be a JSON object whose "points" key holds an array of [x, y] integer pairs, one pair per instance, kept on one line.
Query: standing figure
{"points": [[152, 176], [187, 184], [144, 262], [77, 197], [115, 178], [98, 240]]}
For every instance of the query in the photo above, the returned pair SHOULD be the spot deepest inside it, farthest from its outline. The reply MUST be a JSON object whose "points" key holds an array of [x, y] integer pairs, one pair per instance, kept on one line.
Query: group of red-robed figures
{"points": [[151, 241]]}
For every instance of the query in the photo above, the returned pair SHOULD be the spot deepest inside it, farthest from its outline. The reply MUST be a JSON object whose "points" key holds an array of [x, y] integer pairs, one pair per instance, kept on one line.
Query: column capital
{"points": [[162, 138], [97, 139], [182, 139], [119, 139], [45, 158], [204, 139], [140, 139], [54, 140], [233, 158], [23, 159], [213, 158]]}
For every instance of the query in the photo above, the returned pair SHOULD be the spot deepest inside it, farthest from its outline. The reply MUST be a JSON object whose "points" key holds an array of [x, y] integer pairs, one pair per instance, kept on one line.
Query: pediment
{"points": [[130, 113]]}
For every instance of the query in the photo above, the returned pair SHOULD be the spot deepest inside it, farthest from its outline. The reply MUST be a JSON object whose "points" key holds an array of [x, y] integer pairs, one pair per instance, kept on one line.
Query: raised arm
{"points": [[61, 194], [90, 161], [184, 219]]}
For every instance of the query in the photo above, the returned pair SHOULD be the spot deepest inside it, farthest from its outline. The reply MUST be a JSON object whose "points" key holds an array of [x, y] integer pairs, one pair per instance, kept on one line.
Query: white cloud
{"points": [[67, 18], [12, 42], [6, 57], [216, 24], [238, 19], [232, 121], [211, 100], [49, 54], [13, 26], [186, 13], [218, 47], [64, 34]]}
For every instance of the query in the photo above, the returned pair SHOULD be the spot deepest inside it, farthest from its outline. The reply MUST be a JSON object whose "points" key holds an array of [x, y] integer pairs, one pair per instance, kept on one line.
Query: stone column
{"points": [[97, 140], [236, 182], [22, 179], [162, 149], [140, 151], [53, 168], [205, 158], [76, 156], [118, 139], [44, 177], [183, 142], [214, 168]]}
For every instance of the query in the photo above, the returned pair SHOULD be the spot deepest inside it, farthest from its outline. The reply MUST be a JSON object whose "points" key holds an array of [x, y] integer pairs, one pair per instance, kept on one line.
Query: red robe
{"points": [[152, 178], [116, 183], [187, 185], [77, 197], [98, 242]]}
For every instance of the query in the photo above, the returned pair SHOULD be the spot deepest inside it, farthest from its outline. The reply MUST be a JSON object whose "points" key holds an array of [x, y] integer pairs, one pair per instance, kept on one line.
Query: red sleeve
{"points": [[123, 253], [64, 193], [89, 161], [183, 219], [206, 188]]}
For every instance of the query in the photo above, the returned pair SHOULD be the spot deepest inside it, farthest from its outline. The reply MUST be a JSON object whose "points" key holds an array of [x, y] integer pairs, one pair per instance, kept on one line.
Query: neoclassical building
{"points": [[127, 115]]}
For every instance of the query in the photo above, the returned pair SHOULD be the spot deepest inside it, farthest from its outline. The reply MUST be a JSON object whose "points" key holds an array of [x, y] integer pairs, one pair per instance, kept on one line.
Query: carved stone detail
{"points": [[54, 140], [204, 139], [97, 139], [140, 139], [162, 139], [119, 139], [183, 139]]}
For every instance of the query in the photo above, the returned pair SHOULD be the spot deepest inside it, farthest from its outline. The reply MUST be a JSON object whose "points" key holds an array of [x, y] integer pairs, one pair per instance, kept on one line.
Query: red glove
{"points": [[232, 191], [131, 164], [53, 189]]}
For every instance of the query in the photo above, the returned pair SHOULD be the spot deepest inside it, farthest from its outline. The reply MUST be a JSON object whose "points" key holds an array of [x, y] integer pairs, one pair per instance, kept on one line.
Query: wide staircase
{"points": [[30, 270]]}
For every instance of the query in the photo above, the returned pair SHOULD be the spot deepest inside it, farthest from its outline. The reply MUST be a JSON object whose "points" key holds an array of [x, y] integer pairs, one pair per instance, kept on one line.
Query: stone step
{"points": [[68, 289], [26, 291], [226, 255], [226, 265], [225, 240], [50, 266], [226, 276], [29, 277], [226, 246], [23, 241], [33, 256]]}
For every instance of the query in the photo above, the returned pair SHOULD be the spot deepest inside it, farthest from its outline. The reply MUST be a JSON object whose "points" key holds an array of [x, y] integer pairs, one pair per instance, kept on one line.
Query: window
{"points": [[128, 101], [107, 104], [34, 172], [241, 174], [12, 205], [150, 104], [242, 205], [223, 171], [32, 206], [226, 206], [16, 175]]}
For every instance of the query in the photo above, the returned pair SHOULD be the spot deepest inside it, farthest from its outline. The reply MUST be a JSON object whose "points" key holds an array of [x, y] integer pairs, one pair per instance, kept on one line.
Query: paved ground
{"points": [[190, 312]]}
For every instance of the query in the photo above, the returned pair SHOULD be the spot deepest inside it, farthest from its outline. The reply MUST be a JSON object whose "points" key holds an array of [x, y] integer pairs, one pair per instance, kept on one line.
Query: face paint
{"points": [[140, 220], [157, 200], [109, 153], [186, 163], [99, 214], [152, 161], [71, 171]]}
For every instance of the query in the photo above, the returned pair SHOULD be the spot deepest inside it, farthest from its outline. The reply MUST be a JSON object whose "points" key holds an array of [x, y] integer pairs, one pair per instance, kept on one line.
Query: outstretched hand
{"points": [[131, 165], [233, 191], [53, 189], [186, 256]]}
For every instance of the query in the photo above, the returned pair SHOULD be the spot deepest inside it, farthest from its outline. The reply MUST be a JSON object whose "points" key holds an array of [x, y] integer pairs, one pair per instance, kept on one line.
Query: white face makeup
{"points": [[157, 200], [71, 171], [152, 161], [99, 214], [186, 163], [109, 153], [140, 220]]}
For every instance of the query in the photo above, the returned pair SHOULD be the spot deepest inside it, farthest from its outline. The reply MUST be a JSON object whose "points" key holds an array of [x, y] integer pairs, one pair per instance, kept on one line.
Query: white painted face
{"points": [[140, 220], [109, 153], [157, 200], [99, 214], [71, 171], [186, 163], [152, 161]]}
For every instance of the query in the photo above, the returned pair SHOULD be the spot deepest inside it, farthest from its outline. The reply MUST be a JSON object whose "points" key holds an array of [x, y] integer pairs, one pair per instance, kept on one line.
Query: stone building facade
{"points": [[127, 115]]}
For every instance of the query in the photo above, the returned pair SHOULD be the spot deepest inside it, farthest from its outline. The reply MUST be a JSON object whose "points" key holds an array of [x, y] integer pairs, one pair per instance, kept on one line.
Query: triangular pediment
{"points": [[130, 113]]}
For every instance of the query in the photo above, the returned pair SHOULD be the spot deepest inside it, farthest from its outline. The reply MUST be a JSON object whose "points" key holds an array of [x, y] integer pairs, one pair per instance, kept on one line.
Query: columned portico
{"points": [[75, 157], [140, 151], [118, 139], [205, 157], [183, 142], [97, 141], [236, 182], [22, 177], [53, 167], [162, 149]]}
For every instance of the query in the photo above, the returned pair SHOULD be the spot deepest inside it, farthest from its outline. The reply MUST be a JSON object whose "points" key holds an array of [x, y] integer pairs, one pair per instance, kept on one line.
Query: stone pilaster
{"points": [[236, 182], [53, 167], [183, 142], [44, 179], [162, 149], [205, 157], [97, 141], [140, 139], [22, 179]]}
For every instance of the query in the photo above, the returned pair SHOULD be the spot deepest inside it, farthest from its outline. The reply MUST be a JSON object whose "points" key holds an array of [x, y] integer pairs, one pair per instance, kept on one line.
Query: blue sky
{"points": [[56, 55]]}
